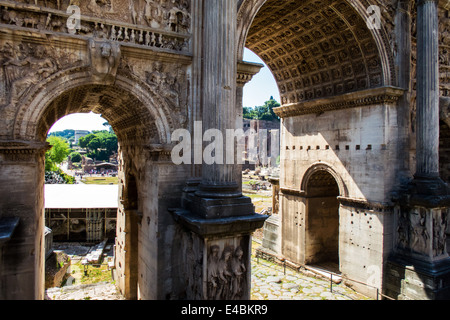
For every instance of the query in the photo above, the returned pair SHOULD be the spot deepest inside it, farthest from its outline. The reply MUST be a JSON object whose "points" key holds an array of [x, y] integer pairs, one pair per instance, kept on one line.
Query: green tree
{"points": [[84, 141], [75, 157], [100, 144], [264, 112], [57, 154]]}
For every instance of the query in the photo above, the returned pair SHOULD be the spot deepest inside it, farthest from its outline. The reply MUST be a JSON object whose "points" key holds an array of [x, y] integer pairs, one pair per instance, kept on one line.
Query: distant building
{"points": [[81, 212], [79, 134], [259, 148]]}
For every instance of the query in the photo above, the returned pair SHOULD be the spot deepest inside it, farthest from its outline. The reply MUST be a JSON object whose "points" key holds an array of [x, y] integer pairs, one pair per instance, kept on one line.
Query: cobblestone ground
{"points": [[97, 291], [271, 282]]}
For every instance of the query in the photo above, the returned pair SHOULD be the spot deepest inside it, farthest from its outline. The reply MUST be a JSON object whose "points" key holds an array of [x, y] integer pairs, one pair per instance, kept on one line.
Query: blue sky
{"points": [[256, 92]]}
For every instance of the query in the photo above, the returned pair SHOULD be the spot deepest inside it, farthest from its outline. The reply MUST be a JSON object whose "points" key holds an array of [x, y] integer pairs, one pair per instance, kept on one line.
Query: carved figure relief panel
{"points": [[24, 64], [315, 49], [422, 232], [226, 270], [169, 80]]}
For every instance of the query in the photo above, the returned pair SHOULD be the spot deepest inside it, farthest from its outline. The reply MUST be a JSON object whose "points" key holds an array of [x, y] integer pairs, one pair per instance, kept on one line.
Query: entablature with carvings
{"points": [[163, 36]]}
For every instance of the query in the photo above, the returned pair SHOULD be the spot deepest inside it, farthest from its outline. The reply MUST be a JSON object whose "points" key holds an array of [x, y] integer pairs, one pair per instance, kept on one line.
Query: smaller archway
{"points": [[322, 219]]}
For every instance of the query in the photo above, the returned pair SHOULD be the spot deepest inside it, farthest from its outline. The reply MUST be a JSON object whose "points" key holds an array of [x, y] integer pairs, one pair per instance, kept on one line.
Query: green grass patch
{"points": [[94, 274], [101, 180]]}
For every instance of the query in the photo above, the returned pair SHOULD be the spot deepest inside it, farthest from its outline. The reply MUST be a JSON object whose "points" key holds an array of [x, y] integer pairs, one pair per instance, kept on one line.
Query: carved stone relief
{"points": [[422, 230], [169, 81], [170, 15], [26, 64], [171, 32], [226, 275], [105, 60], [23, 65], [444, 52]]}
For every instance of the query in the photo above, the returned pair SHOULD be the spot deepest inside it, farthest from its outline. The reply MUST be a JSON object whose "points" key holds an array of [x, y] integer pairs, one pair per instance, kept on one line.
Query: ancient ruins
{"points": [[364, 137]]}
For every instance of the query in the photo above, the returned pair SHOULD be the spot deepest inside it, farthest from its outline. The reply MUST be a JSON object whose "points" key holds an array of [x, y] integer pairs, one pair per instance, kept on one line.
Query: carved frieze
{"points": [[105, 20], [170, 15]]}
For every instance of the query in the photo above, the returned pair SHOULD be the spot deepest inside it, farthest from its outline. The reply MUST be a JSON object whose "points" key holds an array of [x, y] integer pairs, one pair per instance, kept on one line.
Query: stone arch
{"points": [[140, 117], [316, 49], [75, 90], [326, 168]]}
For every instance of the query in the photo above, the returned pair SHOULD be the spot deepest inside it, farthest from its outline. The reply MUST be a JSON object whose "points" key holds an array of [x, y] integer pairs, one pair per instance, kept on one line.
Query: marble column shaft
{"points": [[219, 83], [427, 90]]}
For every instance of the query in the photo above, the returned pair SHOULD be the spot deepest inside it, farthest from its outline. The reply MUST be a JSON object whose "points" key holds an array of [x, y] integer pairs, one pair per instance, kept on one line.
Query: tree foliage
{"points": [[75, 157], [66, 134], [100, 144], [264, 112], [57, 154]]}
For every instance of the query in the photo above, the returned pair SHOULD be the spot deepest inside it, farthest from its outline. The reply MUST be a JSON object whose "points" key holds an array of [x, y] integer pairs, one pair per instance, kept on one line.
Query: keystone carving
{"points": [[105, 60]]}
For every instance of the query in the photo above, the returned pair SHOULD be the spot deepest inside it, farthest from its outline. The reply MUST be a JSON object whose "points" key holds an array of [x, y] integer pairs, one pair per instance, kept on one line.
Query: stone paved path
{"points": [[270, 283], [97, 291]]}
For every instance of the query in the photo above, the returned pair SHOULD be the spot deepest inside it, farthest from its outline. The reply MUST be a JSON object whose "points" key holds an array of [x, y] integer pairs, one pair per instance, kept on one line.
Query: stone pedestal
{"points": [[218, 255], [272, 234], [218, 258], [420, 267]]}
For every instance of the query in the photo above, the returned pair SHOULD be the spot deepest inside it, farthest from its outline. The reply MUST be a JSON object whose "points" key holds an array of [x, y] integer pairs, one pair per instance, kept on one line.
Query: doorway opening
{"points": [[322, 228]]}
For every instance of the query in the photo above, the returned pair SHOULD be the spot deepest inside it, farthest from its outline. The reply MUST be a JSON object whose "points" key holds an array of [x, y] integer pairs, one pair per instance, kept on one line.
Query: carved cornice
{"points": [[293, 192], [22, 151], [381, 95], [22, 146], [159, 152], [365, 204], [246, 71]]}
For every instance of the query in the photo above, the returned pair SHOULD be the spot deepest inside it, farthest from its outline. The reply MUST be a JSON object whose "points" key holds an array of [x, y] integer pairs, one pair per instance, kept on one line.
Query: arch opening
{"points": [[315, 49], [127, 115], [322, 216], [136, 128]]}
